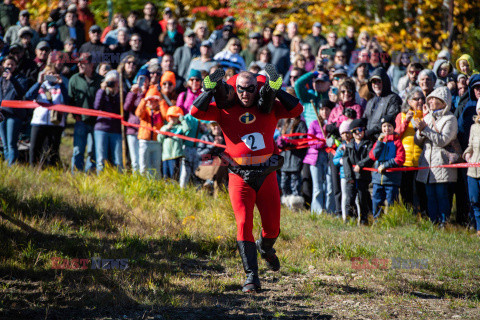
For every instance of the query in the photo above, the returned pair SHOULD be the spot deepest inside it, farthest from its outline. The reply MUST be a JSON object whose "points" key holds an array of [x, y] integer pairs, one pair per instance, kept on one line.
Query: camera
{"points": [[51, 79], [111, 84]]}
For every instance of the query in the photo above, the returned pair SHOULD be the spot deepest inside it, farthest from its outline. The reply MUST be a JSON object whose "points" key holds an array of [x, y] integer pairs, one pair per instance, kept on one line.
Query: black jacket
{"points": [[149, 31], [388, 103], [357, 156], [294, 158]]}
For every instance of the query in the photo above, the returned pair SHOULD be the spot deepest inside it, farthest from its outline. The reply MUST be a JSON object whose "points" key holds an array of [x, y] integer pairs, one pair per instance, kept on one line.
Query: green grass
{"points": [[181, 249]]}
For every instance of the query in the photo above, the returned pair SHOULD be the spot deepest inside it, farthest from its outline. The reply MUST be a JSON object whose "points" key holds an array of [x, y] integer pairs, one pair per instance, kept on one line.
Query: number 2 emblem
{"points": [[254, 141]]}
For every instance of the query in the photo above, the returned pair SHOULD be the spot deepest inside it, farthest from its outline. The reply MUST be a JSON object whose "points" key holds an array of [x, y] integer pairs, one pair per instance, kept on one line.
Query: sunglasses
{"points": [[419, 99], [376, 81], [195, 79], [357, 130], [167, 83], [249, 89], [413, 72], [345, 91], [294, 77]]}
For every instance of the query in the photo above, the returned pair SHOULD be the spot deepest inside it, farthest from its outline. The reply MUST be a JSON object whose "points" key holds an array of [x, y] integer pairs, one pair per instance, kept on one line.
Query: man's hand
{"points": [[356, 168]]}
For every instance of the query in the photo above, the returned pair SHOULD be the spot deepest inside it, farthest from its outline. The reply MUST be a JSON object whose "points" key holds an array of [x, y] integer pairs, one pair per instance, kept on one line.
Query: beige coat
{"points": [[474, 149], [434, 139]]}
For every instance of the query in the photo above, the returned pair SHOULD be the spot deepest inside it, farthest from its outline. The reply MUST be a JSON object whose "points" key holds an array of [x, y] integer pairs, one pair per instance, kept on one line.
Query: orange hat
{"points": [[174, 111], [153, 93], [168, 76]]}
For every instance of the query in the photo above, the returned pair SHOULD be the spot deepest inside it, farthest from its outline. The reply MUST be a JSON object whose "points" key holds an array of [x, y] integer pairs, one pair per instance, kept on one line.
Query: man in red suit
{"points": [[246, 110]]}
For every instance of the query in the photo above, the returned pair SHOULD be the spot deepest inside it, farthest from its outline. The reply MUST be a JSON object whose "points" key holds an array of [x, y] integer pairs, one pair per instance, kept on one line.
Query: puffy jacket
{"points": [[336, 116], [474, 150], [434, 142], [148, 119], [15, 89], [130, 106], [465, 120], [293, 158], [388, 103], [357, 155], [389, 153], [406, 132], [185, 100], [312, 152], [172, 147], [338, 159]]}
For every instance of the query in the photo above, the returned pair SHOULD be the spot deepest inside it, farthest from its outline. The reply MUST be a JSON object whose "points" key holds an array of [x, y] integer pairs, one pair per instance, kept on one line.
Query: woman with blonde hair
{"points": [[295, 46], [201, 31]]}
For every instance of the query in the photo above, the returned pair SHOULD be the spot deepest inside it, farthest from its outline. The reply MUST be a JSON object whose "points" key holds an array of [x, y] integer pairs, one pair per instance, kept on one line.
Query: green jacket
{"points": [[8, 15], [172, 147], [306, 96], [82, 93]]}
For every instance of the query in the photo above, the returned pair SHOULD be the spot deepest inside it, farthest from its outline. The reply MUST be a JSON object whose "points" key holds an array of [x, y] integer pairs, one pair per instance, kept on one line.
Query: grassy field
{"points": [[183, 264]]}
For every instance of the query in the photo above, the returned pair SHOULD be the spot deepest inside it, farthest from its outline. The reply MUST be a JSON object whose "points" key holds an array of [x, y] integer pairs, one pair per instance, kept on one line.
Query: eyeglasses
{"points": [[167, 84], [346, 91], [156, 72], [249, 89], [95, 31], [294, 77], [130, 62], [412, 72], [236, 44], [376, 81], [357, 130], [336, 78], [305, 49], [418, 99]]}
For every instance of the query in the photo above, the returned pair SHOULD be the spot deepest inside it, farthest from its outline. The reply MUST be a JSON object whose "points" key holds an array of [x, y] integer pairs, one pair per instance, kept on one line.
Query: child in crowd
{"points": [[291, 180], [466, 65], [172, 147], [339, 161], [317, 158], [387, 152], [355, 158], [150, 151], [168, 94], [472, 155]]}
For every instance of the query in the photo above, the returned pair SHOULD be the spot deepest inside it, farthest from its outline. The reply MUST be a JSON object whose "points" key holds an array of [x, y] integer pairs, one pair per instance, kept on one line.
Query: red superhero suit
{"points": [[249, 140], [253, 158]]}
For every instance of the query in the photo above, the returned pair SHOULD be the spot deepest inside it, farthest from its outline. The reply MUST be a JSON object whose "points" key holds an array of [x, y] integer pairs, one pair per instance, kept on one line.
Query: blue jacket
{"points": [[390, 154], [465, 120], [16, 89], [338, 156]]}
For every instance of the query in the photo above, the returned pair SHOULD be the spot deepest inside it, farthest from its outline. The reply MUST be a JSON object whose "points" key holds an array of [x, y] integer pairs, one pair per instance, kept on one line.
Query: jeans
{"points": [[107, 143], [83, 138], [189, 164], [474, 194], [170, 168], [438, 202], [133, 151], [150, 158], [9, 132], [291, 183], [323, 197], [380, 194]]}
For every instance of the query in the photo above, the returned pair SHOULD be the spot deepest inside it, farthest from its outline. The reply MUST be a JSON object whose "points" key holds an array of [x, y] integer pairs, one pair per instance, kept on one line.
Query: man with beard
{"points": [[246, 110]]}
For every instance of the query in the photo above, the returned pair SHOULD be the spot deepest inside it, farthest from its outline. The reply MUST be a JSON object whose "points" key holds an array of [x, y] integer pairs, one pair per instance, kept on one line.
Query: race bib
{"points": [[254, 141]]}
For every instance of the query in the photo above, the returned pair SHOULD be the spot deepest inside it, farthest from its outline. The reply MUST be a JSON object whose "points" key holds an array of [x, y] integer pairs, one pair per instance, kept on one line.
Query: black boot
{"points": [[248, 253], [267, 93], [265, 247]]}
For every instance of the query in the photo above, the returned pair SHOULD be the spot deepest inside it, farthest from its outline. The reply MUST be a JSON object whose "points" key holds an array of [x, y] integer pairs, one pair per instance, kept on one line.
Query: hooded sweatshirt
{"points": [[470, 62], [436, 67], [465, 120], [387, 103]]}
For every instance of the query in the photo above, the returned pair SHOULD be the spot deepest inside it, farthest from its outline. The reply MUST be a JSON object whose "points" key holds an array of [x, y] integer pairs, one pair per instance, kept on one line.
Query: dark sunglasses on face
{"points": [[294, 77], [195, 79], [249, 89], [167, 83], [345, 91], [155, 72], [419, 99], [357, 130]]}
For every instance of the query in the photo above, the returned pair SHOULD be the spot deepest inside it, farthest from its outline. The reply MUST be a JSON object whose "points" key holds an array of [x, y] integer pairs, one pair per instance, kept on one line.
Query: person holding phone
{"points": [[47, 125], [12, 87]]}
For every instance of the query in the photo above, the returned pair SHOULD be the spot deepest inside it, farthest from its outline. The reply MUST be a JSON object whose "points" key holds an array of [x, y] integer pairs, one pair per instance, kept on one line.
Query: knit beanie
{"points": [[358, 123], [442, 93], [195, 74], [152, 93], [389, 118], [168, 76], [344, 127]]}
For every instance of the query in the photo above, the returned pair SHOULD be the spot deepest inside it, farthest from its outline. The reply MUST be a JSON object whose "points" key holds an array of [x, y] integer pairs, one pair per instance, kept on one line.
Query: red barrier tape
{"points": [[301, 143], [455, 165], [95, 113]]}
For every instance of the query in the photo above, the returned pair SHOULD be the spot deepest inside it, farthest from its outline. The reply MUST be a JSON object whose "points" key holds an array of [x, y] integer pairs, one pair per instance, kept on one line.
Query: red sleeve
{"points": [[212, 114], [371, 154], [281, 112], [400, 126], [400, 153]]}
